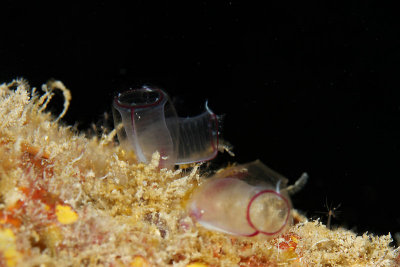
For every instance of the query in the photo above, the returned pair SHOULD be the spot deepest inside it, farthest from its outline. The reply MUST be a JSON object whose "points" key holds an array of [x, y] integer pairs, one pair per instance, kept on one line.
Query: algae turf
{"points": [[71, 200]]}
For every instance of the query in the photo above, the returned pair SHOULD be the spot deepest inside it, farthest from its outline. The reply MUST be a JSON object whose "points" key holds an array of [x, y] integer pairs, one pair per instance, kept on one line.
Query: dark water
{"points": [[305, 87]]}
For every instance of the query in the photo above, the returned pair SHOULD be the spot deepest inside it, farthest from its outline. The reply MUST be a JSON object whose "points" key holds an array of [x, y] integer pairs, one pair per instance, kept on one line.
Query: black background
{"points": [[304, 86]]}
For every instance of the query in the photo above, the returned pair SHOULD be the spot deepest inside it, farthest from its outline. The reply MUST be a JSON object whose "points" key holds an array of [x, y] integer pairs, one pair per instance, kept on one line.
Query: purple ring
{"points": [[251, 202]]}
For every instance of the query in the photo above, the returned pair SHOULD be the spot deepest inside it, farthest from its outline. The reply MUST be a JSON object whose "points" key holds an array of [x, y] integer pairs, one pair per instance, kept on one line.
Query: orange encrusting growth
{"points": [[288, 244], [53, 206], [8, 215]]}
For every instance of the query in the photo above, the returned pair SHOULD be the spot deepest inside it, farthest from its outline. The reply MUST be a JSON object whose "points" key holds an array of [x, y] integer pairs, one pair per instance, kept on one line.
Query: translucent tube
{"points": [[245, 200], [198, 138], [150, 124]]}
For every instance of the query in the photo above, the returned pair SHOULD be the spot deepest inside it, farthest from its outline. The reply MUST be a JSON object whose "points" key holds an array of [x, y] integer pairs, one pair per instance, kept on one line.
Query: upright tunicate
{"points": [[150, 124]]}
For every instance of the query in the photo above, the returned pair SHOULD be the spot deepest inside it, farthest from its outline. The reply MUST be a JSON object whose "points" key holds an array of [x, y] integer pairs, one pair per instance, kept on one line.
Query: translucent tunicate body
{"points": [[245, 200], [150, 124]]}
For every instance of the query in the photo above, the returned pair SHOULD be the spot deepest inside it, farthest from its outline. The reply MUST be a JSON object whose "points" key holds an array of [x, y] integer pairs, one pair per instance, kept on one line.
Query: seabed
{"points": [[71, 200]]}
